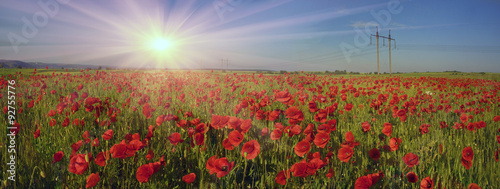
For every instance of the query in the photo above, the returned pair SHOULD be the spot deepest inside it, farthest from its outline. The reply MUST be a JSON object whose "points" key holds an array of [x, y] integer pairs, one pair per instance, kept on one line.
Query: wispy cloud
{"points": [[396, 24], [361, 24]]}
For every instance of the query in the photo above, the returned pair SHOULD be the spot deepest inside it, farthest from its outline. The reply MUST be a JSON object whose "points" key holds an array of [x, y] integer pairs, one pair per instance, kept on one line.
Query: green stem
{"points": [[244, 174], [32, 174]]}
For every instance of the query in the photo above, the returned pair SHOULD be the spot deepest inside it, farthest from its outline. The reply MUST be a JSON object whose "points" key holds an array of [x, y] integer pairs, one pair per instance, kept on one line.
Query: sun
{"points": [[160, 44]]}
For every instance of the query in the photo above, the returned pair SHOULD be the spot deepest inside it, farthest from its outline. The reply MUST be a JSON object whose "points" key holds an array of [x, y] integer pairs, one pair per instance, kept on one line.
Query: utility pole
{"points": [[390, 63], [227, 63], [388, 38], [221, 64]]}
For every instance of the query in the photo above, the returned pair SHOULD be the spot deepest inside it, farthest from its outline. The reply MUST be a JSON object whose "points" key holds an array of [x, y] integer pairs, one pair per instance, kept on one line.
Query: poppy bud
{"points": [[42, 174]]}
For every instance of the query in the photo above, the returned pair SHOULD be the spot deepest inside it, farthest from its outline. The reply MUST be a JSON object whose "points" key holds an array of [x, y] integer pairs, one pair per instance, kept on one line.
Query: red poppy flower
{"points": [[210, 164], [219, 121], [401, 113], [283, 97], [282, 177], [260, 115], [30, 104], [464, 118], [321, 139], [468, 154], [309, 129], [345, 153], [302, 148], [234, 122], [85, 135], [107, 135], [426, 183], [366, 126], [119, 150], [294, 115], [133, 146], [144, 172], [481, 124], [201, 128], [374, 153], [160, 119], [410, 159], [251, 149], [443, 124], [324, 128], [65, 122], [349, 137], [245, 126], [189, 178], [498, 139], [222, 167], [76, 146], [312, 106], [100, 159], [78, 165], [363, 182], [95, 142], [387, 130], [150, 155], [330, 173], [183, 123], [412, 177], [175, 138], [58, 156], [92, 180], [276, 134], [471, 126], [496, 118], [235, 138], [52, 113], [264, 132], [348, 107], [473, 186], [321, 116], [375, 176], [37, 133], [199, 139], [227, 145], [52, 122], [274, 115], [424, 128], [394, 143], [171, 117], [314, 164], [299, 169], [294, 130], [147, 110], [467, 164]]}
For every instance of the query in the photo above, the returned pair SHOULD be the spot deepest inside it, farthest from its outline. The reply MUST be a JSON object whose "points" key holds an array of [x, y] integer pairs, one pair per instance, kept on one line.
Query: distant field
{"points": [[473, 75], [203, 129]]}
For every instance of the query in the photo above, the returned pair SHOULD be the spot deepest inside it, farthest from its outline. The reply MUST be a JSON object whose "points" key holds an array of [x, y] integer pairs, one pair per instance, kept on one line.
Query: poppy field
{"points": [[208, 129]]}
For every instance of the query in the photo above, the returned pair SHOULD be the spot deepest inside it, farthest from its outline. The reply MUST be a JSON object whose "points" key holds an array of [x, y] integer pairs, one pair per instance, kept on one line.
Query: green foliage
{"points": [[36, 155]]}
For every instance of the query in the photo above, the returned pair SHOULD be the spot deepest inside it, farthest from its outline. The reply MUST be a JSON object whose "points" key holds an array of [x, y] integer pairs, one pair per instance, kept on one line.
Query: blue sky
{"points": [[288, 35]]}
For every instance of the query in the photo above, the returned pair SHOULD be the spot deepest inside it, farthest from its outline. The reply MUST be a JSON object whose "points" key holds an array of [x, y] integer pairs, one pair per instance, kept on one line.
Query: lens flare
{"points": [[161, 44]]}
